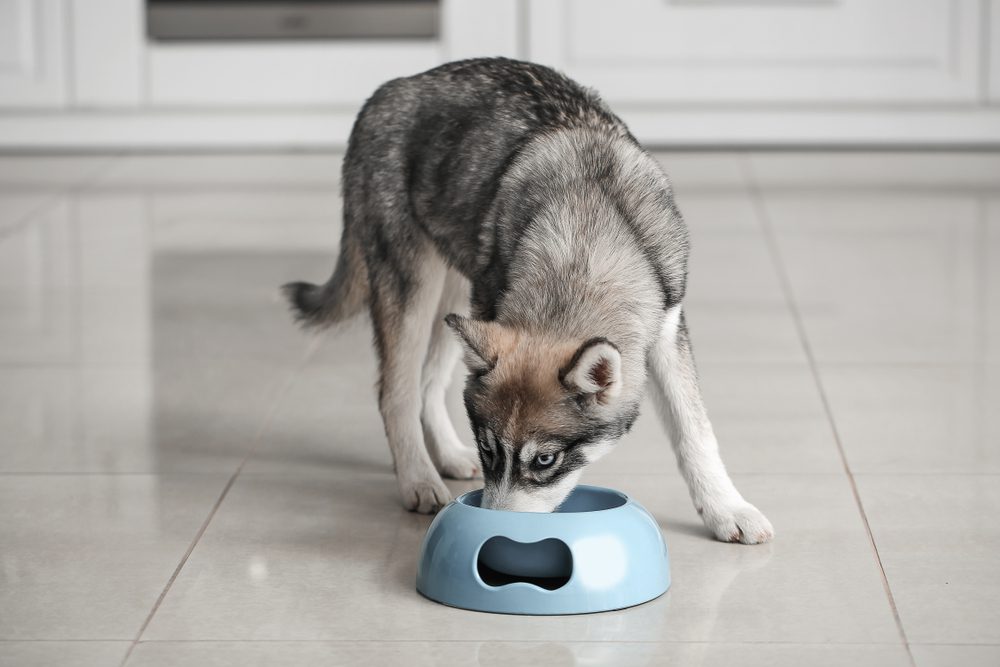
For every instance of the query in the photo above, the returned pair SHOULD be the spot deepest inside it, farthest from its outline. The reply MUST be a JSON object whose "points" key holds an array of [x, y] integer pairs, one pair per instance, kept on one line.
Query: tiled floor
{"points": [[185, 478]]}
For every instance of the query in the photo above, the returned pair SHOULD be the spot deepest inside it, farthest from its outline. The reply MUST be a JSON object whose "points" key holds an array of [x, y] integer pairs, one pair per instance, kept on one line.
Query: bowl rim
{"points": [[627, 500]]}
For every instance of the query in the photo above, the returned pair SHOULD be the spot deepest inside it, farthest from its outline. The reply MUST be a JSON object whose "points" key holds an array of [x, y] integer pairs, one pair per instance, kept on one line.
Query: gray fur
{"points": [[525, 184], [471, 155]]}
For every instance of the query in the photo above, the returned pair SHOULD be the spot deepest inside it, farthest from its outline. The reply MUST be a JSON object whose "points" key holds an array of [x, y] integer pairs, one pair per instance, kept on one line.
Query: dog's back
{"points": [[426, 158], [440, 142]]}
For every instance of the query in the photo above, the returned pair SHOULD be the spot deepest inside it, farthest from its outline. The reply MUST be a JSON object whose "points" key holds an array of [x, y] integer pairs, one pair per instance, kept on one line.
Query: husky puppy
{"points": [[505, 191]]}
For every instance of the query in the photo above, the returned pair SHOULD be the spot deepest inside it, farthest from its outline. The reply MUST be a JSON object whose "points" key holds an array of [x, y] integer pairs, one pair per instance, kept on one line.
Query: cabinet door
{"points": [[265, 75], [994, 52], [31, 53], [762, 51], [322, 73]]}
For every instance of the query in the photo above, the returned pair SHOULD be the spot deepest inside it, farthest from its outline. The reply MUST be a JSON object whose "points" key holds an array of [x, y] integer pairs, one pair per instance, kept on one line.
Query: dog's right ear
{"points": [[481, 341], [595, 370]]}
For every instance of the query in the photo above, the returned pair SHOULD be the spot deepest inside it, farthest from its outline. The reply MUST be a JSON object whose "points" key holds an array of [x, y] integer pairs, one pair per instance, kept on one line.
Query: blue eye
{"points": [[545, 460]]}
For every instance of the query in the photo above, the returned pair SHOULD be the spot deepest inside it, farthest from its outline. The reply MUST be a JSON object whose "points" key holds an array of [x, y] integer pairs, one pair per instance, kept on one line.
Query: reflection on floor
{"points": [[185, 478]]}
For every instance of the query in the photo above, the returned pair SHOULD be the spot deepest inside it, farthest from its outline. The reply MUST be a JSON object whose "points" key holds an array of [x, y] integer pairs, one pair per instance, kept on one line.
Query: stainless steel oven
{"points": [[297, 19]]}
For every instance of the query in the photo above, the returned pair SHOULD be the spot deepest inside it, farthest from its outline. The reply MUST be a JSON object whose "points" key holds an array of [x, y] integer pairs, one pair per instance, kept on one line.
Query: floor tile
{"points": [[332, 556], [330, 418], [733, 285], [269, 220], [179, 415], [690, 171], [38, 300], [938, 539], [721, 211], [875, 170], [947, 655], [145, 352], [988, 296], [732, 267], [85, 284], [738, 332], [47, 172], [63, 653], [768, 419], [884, 278], [201, 172], [509, 654], [213, 306], [85, 557], [917, 419], [17, 207]]}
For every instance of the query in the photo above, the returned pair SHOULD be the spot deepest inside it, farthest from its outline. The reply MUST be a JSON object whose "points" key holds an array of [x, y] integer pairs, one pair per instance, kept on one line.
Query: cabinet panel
{"points": [[993, 84], [280, 75], [761, 51], [108, 49], [32, 33]]}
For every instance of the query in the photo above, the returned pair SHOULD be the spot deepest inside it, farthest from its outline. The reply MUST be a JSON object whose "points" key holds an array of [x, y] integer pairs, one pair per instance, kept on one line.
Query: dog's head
{"points": [[541, 410]]}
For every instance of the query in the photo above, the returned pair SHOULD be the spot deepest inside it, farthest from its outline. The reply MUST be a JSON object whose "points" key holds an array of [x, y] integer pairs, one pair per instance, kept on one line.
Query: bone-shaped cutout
{"points": [[547, 564]]}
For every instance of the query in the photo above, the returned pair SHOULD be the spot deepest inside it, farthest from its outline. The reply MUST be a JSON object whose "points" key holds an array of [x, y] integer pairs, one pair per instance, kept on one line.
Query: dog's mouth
{"points": [[506, 502]]}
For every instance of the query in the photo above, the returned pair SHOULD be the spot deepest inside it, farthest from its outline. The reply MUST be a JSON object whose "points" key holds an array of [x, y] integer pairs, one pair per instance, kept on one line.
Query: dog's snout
{"points": [[493, 500]]}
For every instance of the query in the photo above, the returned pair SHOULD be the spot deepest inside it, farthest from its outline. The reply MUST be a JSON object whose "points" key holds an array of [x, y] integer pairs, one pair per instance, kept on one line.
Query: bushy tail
{"points": [[341, 297]]}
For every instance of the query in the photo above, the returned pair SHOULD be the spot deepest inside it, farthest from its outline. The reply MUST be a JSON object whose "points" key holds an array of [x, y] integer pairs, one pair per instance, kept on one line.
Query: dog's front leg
{"points": [[722, 508], [403, 324]]}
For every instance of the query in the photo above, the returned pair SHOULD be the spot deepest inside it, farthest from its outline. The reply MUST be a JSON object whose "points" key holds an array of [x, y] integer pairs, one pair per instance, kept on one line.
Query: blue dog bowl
{"points": [[599, 551]]}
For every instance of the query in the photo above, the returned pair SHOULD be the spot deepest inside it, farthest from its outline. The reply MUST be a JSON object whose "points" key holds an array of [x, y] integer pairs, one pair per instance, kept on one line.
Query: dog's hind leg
{"points": [[722, 508], [403, 307], [453, 459]]}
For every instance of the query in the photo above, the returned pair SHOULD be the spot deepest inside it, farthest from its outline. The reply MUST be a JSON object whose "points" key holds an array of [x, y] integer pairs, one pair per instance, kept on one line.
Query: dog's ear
{"points": [[595, 370], [482, 341]]}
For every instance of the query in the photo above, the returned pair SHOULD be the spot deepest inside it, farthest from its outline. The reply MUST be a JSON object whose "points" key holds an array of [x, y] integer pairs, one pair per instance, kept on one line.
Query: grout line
{"points": [[739, 364], [55, 195], [651, 642], [184, 559], [654, 642], [760, 209], [180, 472], [631, 473], [261, 430]]}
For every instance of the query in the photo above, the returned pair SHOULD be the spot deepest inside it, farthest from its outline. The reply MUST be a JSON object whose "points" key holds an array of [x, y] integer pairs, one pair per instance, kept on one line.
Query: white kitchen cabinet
{"points": [[32, 54], [993, 48], [276, 75], [109, 49], [765, 52], [332, 73], [680, 72]]}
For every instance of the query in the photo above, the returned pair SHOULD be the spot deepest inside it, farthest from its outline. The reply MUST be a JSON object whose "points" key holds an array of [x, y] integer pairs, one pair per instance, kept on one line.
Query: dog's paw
{"points": [[738, 522], [459, 463], [425, 496]]}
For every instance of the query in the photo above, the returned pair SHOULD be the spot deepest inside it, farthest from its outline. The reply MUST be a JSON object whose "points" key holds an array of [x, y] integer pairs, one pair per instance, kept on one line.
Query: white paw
{"points": [[738, 522], [459, 463], [425, 496]]}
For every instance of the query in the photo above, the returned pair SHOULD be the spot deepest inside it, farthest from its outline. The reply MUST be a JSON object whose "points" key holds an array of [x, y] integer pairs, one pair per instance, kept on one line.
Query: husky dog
{"points": [[504, 190]]}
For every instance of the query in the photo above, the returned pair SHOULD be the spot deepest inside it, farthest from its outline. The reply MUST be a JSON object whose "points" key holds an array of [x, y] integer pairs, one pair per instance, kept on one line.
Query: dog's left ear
{"points": [[595, 369], [483, 342]]}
